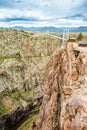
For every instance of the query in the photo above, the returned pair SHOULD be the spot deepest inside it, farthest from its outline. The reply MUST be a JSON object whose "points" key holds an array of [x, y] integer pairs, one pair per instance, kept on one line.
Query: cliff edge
{"points": [[64, 105]]}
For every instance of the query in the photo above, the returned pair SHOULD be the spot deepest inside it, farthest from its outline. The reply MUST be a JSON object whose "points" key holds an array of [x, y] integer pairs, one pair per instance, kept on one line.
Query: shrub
{"points": [[80, 36]]}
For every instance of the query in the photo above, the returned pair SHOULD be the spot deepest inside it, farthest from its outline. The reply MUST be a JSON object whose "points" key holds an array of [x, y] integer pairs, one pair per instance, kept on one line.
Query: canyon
{"points": [[43, 85], [23, 59]]}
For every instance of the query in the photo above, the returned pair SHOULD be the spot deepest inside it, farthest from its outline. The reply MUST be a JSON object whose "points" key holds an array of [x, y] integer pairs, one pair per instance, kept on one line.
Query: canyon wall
{"points": [[64, 105]]}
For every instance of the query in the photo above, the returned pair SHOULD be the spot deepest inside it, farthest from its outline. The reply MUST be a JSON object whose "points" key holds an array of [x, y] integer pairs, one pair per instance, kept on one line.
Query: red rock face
{"points": [[64, 104]]}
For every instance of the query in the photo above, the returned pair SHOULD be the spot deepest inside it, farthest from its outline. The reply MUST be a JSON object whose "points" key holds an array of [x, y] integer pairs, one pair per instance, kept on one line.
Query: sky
{"points": [[40, 13]]}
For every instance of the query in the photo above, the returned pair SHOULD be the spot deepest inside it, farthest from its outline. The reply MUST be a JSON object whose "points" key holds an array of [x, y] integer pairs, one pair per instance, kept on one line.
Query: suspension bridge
{"points": [[64, 38]]}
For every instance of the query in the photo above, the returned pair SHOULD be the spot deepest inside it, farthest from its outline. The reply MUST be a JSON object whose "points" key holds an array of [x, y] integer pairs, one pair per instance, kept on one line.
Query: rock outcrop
{"points": [[64, 105]]}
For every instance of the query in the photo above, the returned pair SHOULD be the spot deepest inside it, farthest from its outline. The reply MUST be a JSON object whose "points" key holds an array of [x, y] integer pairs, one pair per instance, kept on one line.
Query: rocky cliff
{"points": [[64, 105]]}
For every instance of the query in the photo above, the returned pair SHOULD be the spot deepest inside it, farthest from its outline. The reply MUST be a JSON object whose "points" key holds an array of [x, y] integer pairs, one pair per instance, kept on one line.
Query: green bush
{"points": [[80, 36]]}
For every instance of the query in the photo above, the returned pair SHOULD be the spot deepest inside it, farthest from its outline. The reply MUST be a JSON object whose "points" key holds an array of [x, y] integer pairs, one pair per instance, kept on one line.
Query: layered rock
{"points": [[64, 105]]}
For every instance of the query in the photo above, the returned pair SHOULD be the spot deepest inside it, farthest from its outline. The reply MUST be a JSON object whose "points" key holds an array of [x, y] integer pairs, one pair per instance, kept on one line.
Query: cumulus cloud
{"points": [[43, 13]]}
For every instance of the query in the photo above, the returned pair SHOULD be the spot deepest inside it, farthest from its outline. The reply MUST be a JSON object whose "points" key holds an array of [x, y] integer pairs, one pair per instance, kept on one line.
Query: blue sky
{"points": [[41, 13]]}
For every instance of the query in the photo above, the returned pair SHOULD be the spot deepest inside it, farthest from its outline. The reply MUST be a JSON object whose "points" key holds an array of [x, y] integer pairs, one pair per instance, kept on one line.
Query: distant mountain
{"points": [[39, 29], [80, 29], [51, 29]]}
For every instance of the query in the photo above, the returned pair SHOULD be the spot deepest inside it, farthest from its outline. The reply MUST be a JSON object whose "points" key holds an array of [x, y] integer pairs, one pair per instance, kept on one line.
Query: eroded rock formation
{"points": [[64, 105]]}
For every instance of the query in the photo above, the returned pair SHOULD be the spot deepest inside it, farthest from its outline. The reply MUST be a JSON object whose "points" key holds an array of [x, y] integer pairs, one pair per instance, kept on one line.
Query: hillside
{"points": [[23, 58]]}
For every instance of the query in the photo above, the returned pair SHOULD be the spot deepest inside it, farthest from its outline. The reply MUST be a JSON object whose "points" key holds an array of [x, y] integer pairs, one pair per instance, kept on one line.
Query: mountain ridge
{"points": [[52, 29]]}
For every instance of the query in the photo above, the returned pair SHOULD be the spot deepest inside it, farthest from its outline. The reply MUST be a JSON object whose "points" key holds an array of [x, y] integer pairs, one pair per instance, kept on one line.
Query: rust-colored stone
{"points": [[64, 105]]}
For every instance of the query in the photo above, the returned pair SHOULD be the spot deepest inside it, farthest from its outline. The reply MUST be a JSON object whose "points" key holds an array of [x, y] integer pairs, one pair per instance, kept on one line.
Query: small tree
{"points": [[80, 36]]}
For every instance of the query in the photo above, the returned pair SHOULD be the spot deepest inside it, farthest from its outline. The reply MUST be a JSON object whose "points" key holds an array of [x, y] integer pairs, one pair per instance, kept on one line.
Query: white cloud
{"points": [[9, 13], [58, 23], [43, 9]]}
